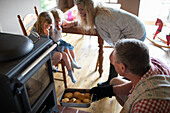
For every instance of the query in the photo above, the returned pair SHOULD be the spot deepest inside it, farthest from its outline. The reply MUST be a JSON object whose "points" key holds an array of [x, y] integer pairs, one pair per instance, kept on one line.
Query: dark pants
{"points": [[112, 72]]}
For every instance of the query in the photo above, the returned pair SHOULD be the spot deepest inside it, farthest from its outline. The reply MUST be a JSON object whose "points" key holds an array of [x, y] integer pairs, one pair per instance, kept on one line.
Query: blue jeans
{"points": [[64, 45], [144, 37]]}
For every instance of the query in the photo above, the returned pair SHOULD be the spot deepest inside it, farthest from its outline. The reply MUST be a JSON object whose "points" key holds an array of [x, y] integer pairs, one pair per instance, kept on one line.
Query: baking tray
{"points": [[80, 105]]}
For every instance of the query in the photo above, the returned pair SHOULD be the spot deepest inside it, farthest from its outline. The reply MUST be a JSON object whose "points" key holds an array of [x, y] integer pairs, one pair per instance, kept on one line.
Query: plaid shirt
{"points": [[153, 105]]}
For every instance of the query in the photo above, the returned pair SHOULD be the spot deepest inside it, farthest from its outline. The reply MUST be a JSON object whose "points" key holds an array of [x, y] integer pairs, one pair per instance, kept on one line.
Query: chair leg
{"points": [[64, 73], [97, 64]]}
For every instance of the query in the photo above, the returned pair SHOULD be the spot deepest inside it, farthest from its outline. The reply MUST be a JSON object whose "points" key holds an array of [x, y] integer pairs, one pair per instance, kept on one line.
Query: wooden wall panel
{"points": [[131, 6]]}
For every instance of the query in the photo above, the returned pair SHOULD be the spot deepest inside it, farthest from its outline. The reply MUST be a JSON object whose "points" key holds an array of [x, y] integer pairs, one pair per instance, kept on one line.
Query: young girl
{"points": [[63, 46], [44, 27]]}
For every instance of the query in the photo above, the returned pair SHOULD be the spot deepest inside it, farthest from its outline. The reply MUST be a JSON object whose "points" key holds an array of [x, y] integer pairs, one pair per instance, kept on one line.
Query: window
{"points": [[112, 1], [150, 10], [47, 4]]}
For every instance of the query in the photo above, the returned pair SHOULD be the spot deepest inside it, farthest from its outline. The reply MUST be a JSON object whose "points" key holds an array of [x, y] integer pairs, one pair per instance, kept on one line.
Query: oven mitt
{"points": [[102, 92]]}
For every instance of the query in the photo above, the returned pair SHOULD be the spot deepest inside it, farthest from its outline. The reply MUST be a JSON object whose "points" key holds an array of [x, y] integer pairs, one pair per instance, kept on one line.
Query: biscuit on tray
{"points": [[68, 95]]}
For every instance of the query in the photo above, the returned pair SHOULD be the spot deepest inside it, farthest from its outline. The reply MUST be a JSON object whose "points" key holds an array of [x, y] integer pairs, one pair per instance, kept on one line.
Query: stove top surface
{"points": [[14, 46], [12, 66]]}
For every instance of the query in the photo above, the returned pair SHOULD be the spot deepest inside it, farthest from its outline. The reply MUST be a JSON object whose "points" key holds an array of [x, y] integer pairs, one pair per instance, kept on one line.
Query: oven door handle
{"points": [[21, 92], [36, 62]]}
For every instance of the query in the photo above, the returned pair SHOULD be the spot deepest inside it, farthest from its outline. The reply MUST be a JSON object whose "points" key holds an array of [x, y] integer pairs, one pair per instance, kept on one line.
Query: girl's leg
{"points": [[72, 54], [73, 63], [68, 66], [69, 54], [66, 60], [56, 58]]}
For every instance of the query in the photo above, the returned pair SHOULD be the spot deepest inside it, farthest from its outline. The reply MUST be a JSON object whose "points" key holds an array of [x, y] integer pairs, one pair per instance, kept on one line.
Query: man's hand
{"points": [[102, 91]]}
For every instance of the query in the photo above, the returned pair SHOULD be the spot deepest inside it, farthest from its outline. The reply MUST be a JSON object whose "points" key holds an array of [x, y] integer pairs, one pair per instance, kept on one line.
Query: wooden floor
{"points": [[86, 51]]}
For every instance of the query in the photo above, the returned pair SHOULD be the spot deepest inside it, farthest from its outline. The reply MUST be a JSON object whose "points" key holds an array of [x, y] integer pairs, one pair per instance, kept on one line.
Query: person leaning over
{"points": [[112, 25], [148, 88]]}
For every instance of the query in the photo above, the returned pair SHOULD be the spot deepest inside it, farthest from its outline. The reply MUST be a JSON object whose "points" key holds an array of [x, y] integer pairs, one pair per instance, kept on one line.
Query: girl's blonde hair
{"points": [[44, 17], [92, 9]]}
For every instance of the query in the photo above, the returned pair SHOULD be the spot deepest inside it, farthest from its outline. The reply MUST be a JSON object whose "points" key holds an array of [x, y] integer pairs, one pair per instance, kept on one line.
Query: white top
{"points": [[57, 35], [122, 25]]}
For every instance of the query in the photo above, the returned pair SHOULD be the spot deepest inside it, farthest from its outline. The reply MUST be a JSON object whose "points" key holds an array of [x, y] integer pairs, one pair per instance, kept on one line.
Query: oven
{"points": [[27, 83]]}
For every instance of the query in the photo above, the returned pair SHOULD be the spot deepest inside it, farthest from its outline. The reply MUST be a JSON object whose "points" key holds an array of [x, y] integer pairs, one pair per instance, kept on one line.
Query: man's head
{"points": [[130, 55]]}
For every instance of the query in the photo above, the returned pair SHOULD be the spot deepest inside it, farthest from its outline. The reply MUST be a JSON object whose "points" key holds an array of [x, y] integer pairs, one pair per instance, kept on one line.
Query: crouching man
{"points": [[148, 86]]}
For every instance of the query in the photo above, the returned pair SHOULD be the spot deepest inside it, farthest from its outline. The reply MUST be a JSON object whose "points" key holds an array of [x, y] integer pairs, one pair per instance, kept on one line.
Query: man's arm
{"points": [[123, 89], [122, 92]]}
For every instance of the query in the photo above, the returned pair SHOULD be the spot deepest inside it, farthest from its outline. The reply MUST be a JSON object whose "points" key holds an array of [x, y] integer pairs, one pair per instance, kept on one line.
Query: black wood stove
{"points": [[26, 82]]}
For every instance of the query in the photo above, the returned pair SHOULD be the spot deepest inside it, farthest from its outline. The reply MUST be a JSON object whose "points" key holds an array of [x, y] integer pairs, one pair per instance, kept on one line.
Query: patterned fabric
{"points": [[142, 96], [152, 106], [157, 67], [153, 87]]}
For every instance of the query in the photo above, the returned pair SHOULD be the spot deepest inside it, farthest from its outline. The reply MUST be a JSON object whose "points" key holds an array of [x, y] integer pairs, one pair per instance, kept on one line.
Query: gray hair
{"points": [[134, 54]]}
